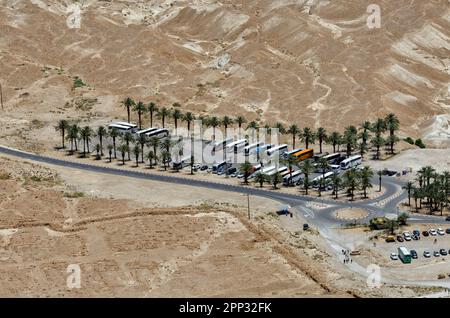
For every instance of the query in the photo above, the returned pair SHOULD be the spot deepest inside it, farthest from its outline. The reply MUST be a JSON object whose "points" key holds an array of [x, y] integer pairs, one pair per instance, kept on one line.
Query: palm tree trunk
{"points": [[101, 145], [62, 136], [114, 146], [128, 113]]}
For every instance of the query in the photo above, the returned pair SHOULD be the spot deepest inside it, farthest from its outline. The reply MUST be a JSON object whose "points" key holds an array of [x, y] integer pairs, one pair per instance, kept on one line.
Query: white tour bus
{"points": [[134, 127], [182, 163], [332, 157], [120, 128], [253, 148], [159, 133], [220, 145], [292, 178], [279, 170], [145, 131], [351, 162], [235, 146], [220, 166], [281, 149], [323, 176]]}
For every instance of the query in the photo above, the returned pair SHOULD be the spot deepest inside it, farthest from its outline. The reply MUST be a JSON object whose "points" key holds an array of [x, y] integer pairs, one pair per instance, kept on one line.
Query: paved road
{"points": [[308, 206], [320, 217]]}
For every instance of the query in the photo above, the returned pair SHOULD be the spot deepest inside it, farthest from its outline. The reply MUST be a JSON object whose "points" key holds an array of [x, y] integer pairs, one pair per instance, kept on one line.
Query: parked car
{"points": [[447, 231], [400, 238], [426, 254], [416, 232], [204, 167], [443, 252], [440, 231], [197, 166], [407, 236], [231, 171], [305, 227], [415, 237], [433, 232], [436, 254], [447, 218], [390, 239], [425, 233], [414, 254], [394, 256]]}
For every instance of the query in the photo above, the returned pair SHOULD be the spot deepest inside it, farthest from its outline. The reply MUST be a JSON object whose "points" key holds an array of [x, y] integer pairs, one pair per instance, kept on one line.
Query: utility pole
{"points": [[248, 205], [1, 95]]}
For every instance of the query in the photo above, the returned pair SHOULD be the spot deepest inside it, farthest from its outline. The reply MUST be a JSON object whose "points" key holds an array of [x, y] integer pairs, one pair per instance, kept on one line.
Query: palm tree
{"points": [[307, 136], [124, 148], [72, 134], [176, 115], [127, 138], [154, 143], [379, 127], [150, 157], [142, 140], [391, 140], [377, 142], [165, 157], [226, 121], [392, 124], [166, 144], [409, 187], [260, 178], [350, 138], [280, 128], [162, 114], [351, 181], [336, 181], [334, 139], [110, 150], [290, 161], [151, 108], [214, 122], [114, 133], [140, 109], [240, 120], [365, 177], [189, 118], [380, 177], [62, 126], [246, 169], [362, 148], [307, 169], [137, 152], [101, 133], [321, 136], [276, 179], [128, 103], [97, 149], [86, 135], [293, 131], [324, 166]]}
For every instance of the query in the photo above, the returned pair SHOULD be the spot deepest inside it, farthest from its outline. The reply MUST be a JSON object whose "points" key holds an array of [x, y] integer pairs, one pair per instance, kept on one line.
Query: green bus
{"points": [[404, 255]]}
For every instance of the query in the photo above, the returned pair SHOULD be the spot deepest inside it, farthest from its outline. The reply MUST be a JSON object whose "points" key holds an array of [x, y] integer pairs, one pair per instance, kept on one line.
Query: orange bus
{"points": [[304, 154]]}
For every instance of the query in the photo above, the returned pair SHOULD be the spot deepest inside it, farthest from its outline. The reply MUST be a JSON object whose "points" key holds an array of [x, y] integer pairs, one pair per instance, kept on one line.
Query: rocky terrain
{"points": [[315, 62]]}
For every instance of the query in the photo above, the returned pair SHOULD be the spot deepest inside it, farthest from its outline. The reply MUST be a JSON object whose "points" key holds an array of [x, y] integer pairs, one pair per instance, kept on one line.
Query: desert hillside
{"points": [[313, 61]]}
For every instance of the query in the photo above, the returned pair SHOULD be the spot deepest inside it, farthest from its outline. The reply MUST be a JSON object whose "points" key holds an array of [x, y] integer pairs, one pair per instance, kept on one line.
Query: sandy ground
{"points": [[315, 63], [130, 246]]}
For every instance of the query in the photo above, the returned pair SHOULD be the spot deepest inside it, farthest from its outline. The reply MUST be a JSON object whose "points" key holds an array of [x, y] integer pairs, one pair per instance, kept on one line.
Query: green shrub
{"points": [[409, 140], [419, 143], [78, 82]]}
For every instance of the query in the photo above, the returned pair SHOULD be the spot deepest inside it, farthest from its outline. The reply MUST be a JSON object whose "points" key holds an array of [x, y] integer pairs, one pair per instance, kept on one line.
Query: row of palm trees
{"points": [[352, 179], [429, 189], [126, 144], [361, 139]]}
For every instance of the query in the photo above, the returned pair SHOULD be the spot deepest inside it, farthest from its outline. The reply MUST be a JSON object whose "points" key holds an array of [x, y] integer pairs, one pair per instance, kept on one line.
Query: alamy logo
{"points": [[74, 278], [73, 21], [374, 19], [374, 278]]}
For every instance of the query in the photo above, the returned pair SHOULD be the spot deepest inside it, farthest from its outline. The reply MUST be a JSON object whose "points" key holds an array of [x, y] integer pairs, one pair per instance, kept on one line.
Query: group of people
{"points": [[347, 258]]}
